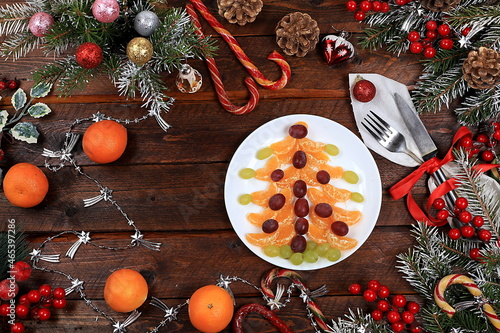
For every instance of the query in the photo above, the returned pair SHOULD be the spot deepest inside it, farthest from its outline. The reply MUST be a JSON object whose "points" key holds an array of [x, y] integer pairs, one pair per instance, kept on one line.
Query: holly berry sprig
{"points": [[366, 6], [397, 312], [9, 84], [483, 144]]}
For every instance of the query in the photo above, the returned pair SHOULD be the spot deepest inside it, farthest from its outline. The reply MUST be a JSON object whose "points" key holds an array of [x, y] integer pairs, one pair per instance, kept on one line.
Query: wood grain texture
{"points": [[172, 184]]}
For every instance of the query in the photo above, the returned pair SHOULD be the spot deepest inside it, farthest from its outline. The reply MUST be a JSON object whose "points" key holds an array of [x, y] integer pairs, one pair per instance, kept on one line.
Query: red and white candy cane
{"points": [[216, 77], [473, 289], [297, 280], [242, 57]]}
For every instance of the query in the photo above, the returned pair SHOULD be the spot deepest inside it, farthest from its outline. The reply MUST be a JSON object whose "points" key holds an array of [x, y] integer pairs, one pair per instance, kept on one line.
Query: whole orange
{"points": [[210, 309], [125, 290], [25, 185], [105, 141]]}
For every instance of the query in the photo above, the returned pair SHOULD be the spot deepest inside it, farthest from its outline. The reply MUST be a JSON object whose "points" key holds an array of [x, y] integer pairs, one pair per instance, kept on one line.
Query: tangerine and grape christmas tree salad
{"points": [[309, 200]]}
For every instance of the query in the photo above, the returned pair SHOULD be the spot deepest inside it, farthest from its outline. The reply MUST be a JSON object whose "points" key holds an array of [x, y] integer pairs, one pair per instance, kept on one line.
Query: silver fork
{"points": [[387, 135]]}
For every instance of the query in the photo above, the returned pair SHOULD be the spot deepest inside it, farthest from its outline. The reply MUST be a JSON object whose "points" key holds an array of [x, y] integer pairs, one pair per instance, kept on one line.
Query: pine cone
{"points": [[482, 68], [297, 34], [239, 11], [439, 5]]}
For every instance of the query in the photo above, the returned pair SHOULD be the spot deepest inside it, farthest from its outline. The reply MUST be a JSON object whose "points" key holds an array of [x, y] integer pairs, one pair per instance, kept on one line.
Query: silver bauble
{"points": [[146, 22]]}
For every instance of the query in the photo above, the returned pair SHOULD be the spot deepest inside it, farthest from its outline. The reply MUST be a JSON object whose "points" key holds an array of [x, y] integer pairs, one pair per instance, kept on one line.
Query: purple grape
{"points": [[270, 226], [340, 228], [323, 177], [300, 188], [299, 159], [301, 207], [297, 131], [301, 226], [323, 210], [277, 201], [277, 175], [298, 243]]}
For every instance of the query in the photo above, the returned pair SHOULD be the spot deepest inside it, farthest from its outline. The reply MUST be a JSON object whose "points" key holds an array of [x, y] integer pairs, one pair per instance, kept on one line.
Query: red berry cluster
{"points": [[398, 312], [35, 304], [435, 35], [366, 6], [483, 144], [9, 84]]}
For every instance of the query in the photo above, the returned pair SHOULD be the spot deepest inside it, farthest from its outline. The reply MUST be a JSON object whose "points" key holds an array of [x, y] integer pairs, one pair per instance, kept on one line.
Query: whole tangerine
{"points": [[105, 141], [25, 185], [210, 309], [125, 290]]}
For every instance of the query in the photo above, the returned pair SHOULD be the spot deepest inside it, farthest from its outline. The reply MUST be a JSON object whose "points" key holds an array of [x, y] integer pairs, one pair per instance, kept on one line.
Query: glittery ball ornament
{"points": [[188, 80], [139, 50], [336, 49], [89, 55], [106, 11], [146, 22], [40, 23]]}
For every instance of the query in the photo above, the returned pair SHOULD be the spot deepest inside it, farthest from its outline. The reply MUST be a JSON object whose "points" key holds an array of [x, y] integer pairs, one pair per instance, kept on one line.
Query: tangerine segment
{"points": [[285, 234], [311, 146], [350, 217], [319, 221], [309, 176], [265, 173], [341, 242], [315, 162], [285, 146], [291, 176], [258, 218], [316, 196], [334, 171], [317, 233], [336, 194], [261, 198], [261, 238]]}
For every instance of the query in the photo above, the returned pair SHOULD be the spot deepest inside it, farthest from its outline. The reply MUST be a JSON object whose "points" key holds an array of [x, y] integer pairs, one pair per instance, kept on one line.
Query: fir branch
{"points": [[479, 107], [477, 17], [14, 18], [21, 248], [18, 45]]}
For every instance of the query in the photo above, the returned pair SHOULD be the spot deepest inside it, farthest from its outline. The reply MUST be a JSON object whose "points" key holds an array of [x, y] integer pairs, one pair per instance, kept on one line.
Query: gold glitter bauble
{"points": [[139, 50]]}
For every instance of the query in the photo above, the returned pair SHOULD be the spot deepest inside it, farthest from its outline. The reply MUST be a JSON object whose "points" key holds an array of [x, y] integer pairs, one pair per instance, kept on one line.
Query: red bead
{"points": [[22, 311], [373, 285], [416, 47], [413, 36], [365, 6], [431, 25], [477, 221], [34, 296], [431, 34], [465, 217], [412, 307], [59, 293], [359, 15], [4, 310], [398, 326], [444, 29], [383, 292], [429, 52], [484, 235], [466, 31], [454, 233], [59, 303], [376, 6], [461, 203], [399, 301], [369, 295], [393, 316], [385, 7], [44, 314], [442, 214], [17, 327], [474, 253], [488, 155], [446, 44], [45, 290], [467, 231], [383, 305], [351, 5], [407, 317], [377, 315], [439, 203]]}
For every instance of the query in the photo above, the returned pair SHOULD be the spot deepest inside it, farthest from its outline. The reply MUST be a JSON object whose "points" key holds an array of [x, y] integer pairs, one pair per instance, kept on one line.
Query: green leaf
{"points": [[39, 110], [3, 118], [19, 99], [25, 132], [40, 90]]}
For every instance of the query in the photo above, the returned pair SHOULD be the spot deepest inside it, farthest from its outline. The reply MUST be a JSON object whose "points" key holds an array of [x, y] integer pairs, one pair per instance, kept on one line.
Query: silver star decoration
{"points": [[84, 237], [464, 42], [224, 282], [106, 193], [35, 255], [137, 237], [305, 297], [98, 117], [171, 313], [77, 284]]}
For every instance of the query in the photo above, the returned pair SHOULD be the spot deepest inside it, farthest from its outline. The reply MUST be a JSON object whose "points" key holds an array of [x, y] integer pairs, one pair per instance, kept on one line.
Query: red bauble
{"points": [[336, 49], [89, 55], [364, 90]]}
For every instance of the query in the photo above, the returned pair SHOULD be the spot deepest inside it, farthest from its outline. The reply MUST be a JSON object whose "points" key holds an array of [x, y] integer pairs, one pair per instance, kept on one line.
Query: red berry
{"points": [[355, 288], [465, 216], [8, 289], [351, 5], [383, 305], [3, 85], [491, 143], [496, 135], [413, 36], [442, 214], [446, 44], [376, 6], [393, 316], [373, 285], [477, 221], [59, 303], [4, 310], [21, 271], [467, 231], [431, 34], [24, 300], [484, 235], [385, 7], [44, 314], [416, 47], [2, 154], [407, 317], [383, 292], [398, 326], [369, 295], [431, 25], [496, 125], [399, 301], [13, 84], [461, 203], [415, 328], [377, 315], [365, 6], [22, 311], [465, 142], [46, 302], [59, 293], [400, 2], [481, 137], [34, 296], [444, 29], [412, 307], [454, 233], [439, 203], [466, 31], [474, 253], [359, 15], [45, 290], [429, 52], [17, 327], [488, 155], [34, 312]]}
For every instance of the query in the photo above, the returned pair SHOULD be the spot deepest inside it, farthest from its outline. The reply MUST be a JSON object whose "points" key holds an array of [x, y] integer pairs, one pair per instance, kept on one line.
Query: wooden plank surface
{"points": [[172, 184]]}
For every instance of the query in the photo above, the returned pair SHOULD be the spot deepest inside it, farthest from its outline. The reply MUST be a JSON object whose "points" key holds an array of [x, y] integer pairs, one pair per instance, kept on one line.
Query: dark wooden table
{"points": [[171, 184]]}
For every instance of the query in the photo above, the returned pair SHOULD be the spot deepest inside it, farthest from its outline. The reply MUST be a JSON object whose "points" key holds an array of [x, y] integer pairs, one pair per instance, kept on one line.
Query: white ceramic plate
{"points": [[353, 156]]}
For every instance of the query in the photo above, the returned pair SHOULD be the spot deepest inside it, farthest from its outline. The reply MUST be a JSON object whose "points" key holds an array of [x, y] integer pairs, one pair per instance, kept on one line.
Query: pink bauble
{"points": [[40, 23], [106, 11]]}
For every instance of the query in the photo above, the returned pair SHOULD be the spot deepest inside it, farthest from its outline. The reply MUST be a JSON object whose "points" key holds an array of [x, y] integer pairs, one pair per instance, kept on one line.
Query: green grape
{"points": [[247, 173], [322, 249], [357, 197], [311, 245], [245, 199], [333, 254], [272, 250], [332, 150], [285, 251], [351, 177], [264, 153], [297, 258], [310, 256]]}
